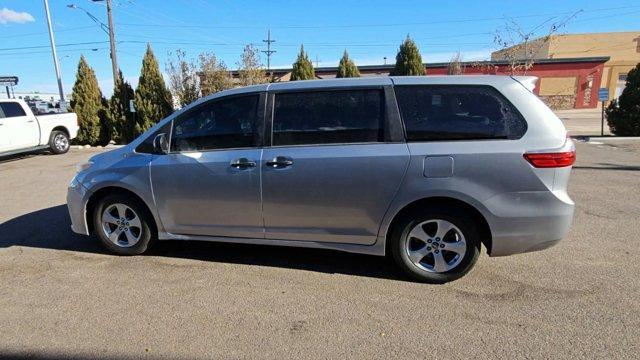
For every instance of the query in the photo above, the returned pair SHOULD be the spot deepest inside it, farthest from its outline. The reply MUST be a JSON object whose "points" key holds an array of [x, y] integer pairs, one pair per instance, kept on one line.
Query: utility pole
{"points": [[112, 43], [63, 105], [268, 51], [317, 60]]}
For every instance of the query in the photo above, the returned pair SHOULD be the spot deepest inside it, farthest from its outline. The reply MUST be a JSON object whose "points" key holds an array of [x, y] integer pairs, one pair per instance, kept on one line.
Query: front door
{"points": [[209, 183], [22, 130], [331, 173]]}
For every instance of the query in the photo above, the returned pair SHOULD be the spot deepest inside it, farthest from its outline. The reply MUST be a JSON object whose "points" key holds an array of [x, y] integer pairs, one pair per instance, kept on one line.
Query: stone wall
{"points": [[559, 102]]}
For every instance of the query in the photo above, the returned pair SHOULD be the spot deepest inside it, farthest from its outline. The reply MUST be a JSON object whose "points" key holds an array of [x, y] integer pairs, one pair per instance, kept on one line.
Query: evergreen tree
{"points": [[623, 114], [346, 68], [87, 104], [302, 68], [121, 120], [153, 100], [408, 60]]}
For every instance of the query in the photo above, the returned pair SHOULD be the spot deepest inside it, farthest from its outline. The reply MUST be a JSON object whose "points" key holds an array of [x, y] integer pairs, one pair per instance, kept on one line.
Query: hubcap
{"points": [[61, 142], [435, 246], [121, 225]]}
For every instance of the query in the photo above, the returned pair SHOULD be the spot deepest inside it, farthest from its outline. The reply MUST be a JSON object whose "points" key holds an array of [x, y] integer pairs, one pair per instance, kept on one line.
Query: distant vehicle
{"points": [[22, 131], [422, 169], [45, 107]]}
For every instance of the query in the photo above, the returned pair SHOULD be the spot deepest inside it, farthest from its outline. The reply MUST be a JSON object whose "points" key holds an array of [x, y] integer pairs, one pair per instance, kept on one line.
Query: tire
{"points": [[59, 142], [416, 255], [134, 235]]}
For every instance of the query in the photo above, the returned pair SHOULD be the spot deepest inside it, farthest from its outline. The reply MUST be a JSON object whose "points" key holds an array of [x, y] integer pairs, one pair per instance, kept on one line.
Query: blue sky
{"points": [[369, 30]]}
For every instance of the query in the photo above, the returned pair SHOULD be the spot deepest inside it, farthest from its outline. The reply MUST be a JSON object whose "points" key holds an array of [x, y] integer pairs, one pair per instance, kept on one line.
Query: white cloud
{"points": [[11, 16]]}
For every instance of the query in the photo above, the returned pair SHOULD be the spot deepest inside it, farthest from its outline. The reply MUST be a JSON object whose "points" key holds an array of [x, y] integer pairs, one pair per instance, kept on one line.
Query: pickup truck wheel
{"points": [[436, 245], [123, 225], [58, 142]]}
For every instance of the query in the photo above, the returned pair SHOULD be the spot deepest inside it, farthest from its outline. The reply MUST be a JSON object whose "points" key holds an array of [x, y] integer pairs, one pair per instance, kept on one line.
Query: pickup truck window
{"points": [[11, 109]]}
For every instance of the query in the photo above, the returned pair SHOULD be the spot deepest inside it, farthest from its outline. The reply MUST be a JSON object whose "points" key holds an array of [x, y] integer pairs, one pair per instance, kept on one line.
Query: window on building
{"points": [[218, 124], [329, 117], [445, 112], [621, 84]]}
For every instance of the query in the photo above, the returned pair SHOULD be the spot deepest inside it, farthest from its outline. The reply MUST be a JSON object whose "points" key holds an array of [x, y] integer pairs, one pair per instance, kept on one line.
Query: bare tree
{"points": [[250, 70], [214, 75], [520, 48], [183, 79], [455, 66]]}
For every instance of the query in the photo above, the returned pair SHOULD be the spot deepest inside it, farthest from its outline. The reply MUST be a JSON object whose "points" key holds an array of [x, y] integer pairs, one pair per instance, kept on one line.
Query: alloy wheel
{"points": [[121, 225], [435, 246]]}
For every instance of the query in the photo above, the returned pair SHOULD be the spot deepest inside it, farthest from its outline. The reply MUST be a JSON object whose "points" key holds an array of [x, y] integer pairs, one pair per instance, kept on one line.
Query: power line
{"points": [[342, 26]]}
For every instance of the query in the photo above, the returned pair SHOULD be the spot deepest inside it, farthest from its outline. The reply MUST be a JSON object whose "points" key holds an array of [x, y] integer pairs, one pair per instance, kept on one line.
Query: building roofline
{"points": [[389, 67]]}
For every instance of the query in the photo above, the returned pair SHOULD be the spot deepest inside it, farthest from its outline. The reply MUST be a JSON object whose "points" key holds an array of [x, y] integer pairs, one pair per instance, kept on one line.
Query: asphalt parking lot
{"points": [[62, 296]]}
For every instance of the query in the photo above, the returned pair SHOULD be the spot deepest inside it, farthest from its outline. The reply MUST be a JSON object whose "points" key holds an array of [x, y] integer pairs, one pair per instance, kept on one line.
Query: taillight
{"points": [[551, 160]]}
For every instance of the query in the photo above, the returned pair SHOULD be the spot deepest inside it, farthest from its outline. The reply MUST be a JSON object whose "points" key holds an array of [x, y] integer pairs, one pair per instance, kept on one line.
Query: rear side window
{"points": [[446, 112], [11, 109], [219, 124], [329, 117]]}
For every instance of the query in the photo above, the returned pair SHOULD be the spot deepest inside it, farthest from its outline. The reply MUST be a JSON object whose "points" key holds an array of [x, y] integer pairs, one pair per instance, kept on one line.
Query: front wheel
{"points": [[58, 142], [123, 225], [436, 245]]}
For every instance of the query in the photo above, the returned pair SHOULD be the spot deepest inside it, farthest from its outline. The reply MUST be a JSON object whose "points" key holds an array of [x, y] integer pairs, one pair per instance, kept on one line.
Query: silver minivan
{"points": [[422, 169]]}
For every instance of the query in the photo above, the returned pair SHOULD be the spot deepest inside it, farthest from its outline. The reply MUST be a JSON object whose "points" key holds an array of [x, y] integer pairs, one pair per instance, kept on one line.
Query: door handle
{"points": [[242, 163], [30, 121], [280, 162]]}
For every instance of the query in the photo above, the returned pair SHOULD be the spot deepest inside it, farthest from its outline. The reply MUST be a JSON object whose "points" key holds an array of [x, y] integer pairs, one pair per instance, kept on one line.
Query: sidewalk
{"points": [[583, 121]]}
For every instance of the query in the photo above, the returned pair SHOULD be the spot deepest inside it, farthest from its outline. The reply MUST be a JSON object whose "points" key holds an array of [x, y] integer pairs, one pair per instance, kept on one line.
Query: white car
{"points": [[22, 131]]}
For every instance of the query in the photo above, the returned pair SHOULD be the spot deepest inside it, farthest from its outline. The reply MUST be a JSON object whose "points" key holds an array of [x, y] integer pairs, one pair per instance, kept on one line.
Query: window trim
{"points": [[258, 132], [498, 92], [389, 122]]}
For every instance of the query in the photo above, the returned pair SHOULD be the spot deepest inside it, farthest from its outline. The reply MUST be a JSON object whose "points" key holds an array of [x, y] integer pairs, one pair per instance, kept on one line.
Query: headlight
{"points": [[83, 166]]}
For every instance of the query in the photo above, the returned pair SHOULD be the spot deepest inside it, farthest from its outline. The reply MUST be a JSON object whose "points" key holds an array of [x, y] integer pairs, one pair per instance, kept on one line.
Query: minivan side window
{"points": [[11, 109], [457, 112], [329, 117], [218, 124]]}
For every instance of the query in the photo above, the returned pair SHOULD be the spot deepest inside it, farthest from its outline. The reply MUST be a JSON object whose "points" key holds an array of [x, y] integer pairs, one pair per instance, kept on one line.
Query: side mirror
{"points": [[160, 144]]}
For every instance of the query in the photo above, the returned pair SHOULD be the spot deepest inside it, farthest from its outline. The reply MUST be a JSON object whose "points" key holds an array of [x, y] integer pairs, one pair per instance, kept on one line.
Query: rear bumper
{"points": [[76, 194], [528, 221]]}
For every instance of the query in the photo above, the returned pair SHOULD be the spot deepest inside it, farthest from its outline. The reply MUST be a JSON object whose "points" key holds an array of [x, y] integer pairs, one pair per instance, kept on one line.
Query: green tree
{"points": [[408, 60], [302, 68], [623, 114], [153, 100], [87, 104], [346, 68], [121, 121]]}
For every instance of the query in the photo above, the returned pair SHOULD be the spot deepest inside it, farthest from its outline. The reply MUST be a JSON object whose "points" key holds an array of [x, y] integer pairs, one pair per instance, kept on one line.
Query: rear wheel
{"points": [[123, 225], [437, 245], [59, 142]]}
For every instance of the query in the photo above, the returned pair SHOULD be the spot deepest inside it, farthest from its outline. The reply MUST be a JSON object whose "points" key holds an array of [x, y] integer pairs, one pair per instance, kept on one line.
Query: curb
{"points": [[604, 139], [88, 147]]}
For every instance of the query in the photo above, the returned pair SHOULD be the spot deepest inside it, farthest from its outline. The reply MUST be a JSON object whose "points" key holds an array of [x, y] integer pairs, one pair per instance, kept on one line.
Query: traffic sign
{"points": [[603, 94]]}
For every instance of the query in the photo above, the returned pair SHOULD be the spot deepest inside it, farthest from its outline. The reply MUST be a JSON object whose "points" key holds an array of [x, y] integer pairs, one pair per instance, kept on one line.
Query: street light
{"points": [[103, 26], [63, 104]]}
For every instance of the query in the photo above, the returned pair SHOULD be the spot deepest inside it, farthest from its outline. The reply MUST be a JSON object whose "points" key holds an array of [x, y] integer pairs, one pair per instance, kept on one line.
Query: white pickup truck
{"points": [[21, 131]]}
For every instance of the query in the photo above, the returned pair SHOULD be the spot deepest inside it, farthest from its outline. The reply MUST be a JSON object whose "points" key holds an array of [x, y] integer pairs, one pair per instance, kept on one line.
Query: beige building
{"points": [[622, 48]]}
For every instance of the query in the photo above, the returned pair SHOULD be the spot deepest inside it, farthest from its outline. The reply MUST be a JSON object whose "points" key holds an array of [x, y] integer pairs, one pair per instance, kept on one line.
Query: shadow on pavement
{"points": [[50, 229], [615, 167]]}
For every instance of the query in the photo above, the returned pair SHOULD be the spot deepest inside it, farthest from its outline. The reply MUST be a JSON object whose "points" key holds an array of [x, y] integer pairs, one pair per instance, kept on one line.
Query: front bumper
{"points": [[76, 204], [528, 221]]}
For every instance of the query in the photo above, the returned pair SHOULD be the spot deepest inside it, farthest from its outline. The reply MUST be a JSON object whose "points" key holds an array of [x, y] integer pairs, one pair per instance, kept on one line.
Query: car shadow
{"points": [[608, 166], [51, 229]]}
